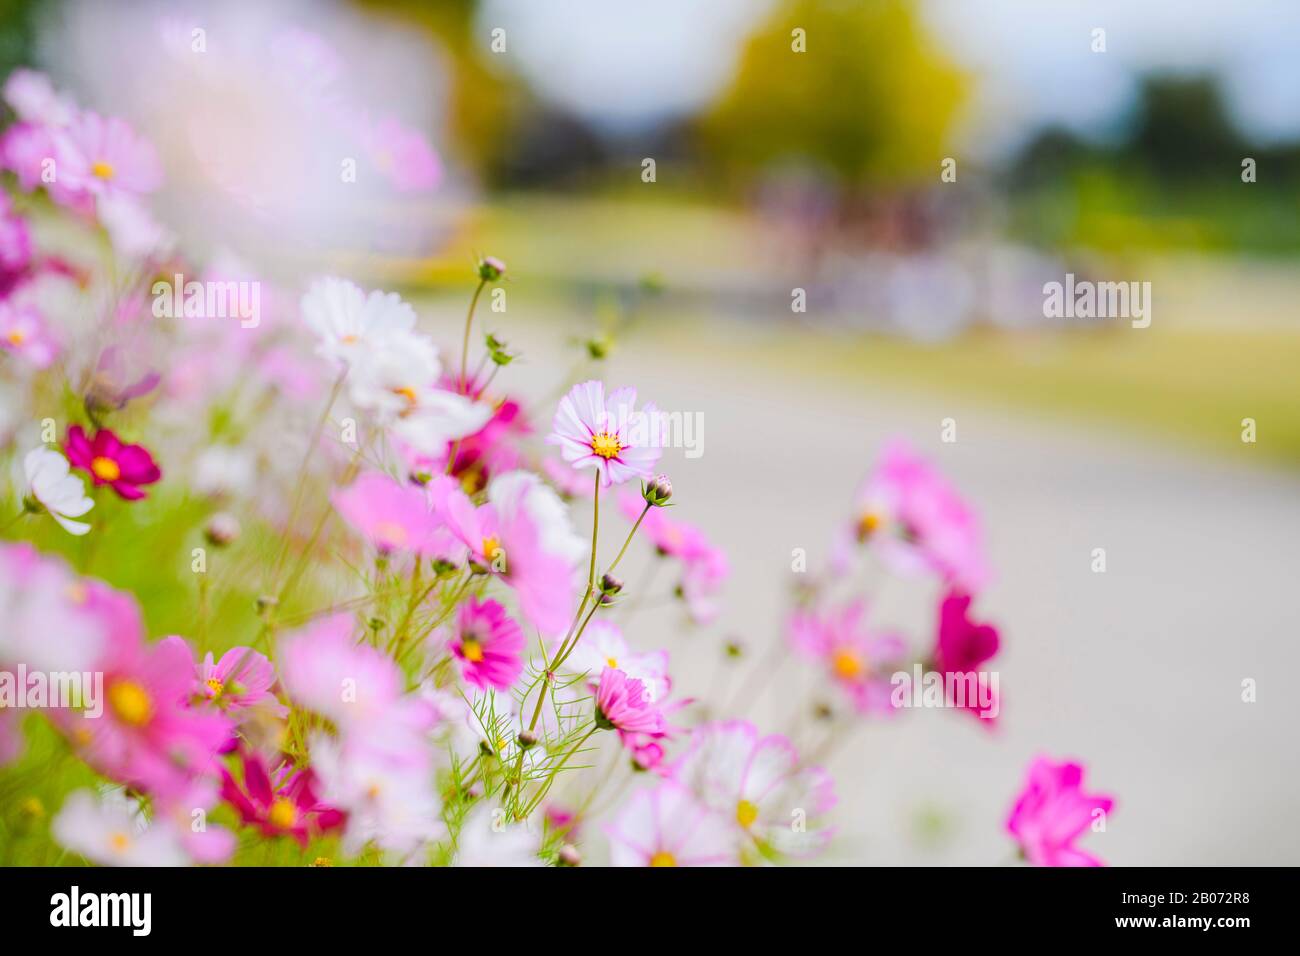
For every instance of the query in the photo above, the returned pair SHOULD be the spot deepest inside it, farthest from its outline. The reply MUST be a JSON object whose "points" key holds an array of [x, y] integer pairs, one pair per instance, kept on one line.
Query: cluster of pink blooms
{"points": [[434, 658]]}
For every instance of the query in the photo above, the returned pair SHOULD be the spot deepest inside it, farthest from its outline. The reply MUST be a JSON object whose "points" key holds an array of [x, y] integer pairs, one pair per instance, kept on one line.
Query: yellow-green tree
{"points": [[855, 87]]}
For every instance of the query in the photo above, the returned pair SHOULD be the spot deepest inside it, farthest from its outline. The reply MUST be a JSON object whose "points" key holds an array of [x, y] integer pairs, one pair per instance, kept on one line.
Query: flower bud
{"points": [[265, 603], [569, 855], [610, 584], [658, 491], [526, 739], [223, 529], [490, 268]]}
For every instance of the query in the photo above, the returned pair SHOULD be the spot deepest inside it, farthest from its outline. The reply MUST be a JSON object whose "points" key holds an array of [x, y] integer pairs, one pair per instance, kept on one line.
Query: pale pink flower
{"points": [[607, 434], [666, 826], [24, 334], [238, 683], [603, 646], [858, 660], [326, 670], [403, 156], [393, 516], [488, 644], [109, 158], [913, 517], [1052, 812], [759, 784], [523, 535], [34, 99]]}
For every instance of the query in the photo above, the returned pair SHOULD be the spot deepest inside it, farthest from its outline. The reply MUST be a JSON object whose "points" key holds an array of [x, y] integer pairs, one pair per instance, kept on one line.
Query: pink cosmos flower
{"points": [[860, 661], [392, 515], [627, 705], [963, 645], [325, 670], [490, 451], [607, 434], [24, 334], [913, 517], [283, 804], [757, 782], [110, 159], [403, 156], [565, 480], [704, 568], [34, 99], [1052, 811], [124, 468], [488, 644], [15, 247], [665, 826], [238, 683], [148, 736], [524, 536]]}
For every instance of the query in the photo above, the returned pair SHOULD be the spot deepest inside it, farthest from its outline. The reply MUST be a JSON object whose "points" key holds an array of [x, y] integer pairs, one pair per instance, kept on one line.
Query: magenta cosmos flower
{"points": [[962, 646], [667, 827], [124, 468], [858, 660], [607, 434], [627, 705], [392, 516], [488, 644], [759, 784], [283, 804], [913, 517], [1052, 811]]}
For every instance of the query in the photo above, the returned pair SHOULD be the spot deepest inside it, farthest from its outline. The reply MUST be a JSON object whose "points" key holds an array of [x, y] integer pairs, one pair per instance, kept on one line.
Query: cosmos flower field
{"points": [[322, 586]]}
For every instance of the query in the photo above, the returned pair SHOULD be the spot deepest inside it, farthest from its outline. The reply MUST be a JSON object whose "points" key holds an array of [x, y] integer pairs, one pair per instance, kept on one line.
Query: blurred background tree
{"points": [[871, 102]]}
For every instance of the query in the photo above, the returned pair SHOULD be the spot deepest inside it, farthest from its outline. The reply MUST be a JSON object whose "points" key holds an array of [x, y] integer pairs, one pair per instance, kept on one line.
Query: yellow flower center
{"points": [[847, 664], [17, 337], [663, 858], [612, 662], [119, 841], [407, 393], [605, 445], [130, 702], [103, 169], [322, 861], [349, 340], [215, 686], [472, 650], [746, 813], [491, 547], [106, 469], [869, 524], [283, 814]]}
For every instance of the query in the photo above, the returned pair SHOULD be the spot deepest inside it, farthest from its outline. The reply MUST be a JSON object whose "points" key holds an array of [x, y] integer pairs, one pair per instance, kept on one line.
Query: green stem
{"points": [[469, 321]]}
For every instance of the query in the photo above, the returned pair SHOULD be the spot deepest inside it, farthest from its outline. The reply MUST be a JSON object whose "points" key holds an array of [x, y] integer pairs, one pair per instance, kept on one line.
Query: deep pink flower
{"points": [[488, 644], [666, 826], [283, 804], [125, 468], [392, 515], [1052, 811], [913, 517], [609, 435], [962, 646], [490, 451], [858, 660], [627, 705]]}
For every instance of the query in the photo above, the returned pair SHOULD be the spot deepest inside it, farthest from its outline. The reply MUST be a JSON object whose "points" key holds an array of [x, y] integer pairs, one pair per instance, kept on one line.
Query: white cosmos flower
{"points": [[486, 840], [112, 834], [349, 323], [62, 494]]}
